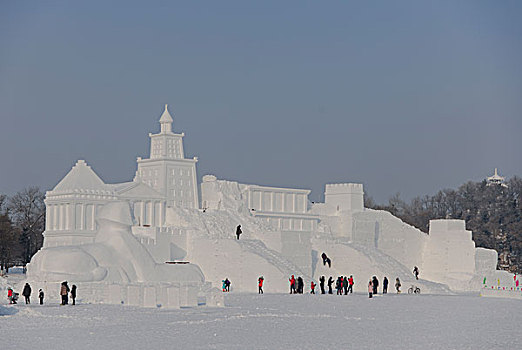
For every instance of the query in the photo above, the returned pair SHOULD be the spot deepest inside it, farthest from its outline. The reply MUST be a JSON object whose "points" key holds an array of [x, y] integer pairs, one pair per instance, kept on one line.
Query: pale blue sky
{"points": [[404, 96]]}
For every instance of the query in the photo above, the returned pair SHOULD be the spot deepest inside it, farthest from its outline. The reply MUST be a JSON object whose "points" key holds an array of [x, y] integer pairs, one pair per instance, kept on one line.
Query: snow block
{"points": [[215, 298], [173, 297], [149, 296], [134, 295]]}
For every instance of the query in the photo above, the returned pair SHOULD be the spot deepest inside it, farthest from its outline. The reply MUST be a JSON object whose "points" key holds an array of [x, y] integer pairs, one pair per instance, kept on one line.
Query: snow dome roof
{"points": [[81, 177]]}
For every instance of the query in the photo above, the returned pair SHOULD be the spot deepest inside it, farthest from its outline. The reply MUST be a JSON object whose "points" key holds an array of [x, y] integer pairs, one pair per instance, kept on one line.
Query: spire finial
{"points": [[166, 121]]}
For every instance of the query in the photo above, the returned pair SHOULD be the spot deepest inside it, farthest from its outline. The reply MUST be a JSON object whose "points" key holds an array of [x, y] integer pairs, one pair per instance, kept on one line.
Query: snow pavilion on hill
{"points": [[496, 179]]}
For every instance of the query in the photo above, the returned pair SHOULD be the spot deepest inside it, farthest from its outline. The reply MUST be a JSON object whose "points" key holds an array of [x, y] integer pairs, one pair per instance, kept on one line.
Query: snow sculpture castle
{"points": [[284, 234]]}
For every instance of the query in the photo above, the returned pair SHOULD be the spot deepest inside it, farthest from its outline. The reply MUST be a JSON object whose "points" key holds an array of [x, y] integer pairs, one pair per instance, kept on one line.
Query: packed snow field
{"points": [[272, 321]]}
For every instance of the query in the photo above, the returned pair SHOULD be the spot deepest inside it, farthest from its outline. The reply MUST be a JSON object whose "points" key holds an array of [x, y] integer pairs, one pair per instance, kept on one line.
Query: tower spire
{"points": [[166, 121]]}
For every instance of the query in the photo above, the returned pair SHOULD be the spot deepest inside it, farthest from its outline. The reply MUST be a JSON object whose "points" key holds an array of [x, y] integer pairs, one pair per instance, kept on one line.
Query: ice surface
{"points": [[273, 321]]}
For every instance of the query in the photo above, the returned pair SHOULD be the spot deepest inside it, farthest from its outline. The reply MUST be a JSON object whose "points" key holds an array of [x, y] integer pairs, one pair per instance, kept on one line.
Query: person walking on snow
{"points": [[27, 293], [398, 285], [238, 231], [350, 284], [345, 285], [73, 294], [321, 284], [292, 285], [224, 286], [260, 284], [312, 287], [385, 285], [41, 296], [370, 289], [416, 272], [330, 282]]}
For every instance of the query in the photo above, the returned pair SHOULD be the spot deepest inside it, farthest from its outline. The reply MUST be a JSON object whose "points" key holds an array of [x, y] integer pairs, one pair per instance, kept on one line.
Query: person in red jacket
{"points": [[350, 284], [292, 285], [312, 286], [10, 296], [260, 281]]}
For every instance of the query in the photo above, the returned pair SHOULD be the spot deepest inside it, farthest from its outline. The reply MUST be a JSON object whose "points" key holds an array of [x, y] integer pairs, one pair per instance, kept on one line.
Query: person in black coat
{"points": [[238, 231], [27, 293], [385, 285], [330, 282], [300, 285], [375, 284], [73, 294], [41, 296], [325, 257], [321, 284]]}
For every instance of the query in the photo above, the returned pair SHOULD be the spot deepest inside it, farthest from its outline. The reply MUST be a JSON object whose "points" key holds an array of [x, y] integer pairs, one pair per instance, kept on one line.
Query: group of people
{"points": [[343, 285], [226, 285], [26, 293], [64, 292], [296, 285], [373, 285]]}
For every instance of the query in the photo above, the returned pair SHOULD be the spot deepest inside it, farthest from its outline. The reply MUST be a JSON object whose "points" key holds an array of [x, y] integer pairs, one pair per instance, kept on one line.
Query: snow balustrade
{"points": [[170, 295], [501, 291]]}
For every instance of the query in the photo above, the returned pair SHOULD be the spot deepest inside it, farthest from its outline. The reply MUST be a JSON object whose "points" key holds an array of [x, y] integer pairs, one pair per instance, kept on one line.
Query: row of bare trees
{"points": [[22, 222]]}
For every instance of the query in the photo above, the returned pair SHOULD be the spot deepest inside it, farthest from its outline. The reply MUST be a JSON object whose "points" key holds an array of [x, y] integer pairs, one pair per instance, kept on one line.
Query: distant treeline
{"points": [[22, 222], [492, 211]]}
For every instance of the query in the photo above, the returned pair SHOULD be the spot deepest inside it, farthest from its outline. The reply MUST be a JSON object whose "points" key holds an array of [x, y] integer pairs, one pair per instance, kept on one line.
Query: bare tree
{"points": [[27, 212], [9, 242]]}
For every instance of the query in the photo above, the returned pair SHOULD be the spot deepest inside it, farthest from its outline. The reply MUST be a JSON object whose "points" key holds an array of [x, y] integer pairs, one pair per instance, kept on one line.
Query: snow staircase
{"points": [[386, 263], [284, 265]]}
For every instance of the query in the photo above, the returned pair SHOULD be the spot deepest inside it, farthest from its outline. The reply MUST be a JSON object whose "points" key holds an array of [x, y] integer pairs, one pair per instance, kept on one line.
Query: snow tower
{"points": [[167, 170]]}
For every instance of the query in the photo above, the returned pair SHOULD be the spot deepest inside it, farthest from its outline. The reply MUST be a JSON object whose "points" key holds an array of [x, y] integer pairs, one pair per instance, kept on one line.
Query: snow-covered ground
{"points": [[273, 321]]}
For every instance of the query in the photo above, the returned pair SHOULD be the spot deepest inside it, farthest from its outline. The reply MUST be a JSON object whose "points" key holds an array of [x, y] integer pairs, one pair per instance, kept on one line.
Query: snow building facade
{"points": [[189, 229]]}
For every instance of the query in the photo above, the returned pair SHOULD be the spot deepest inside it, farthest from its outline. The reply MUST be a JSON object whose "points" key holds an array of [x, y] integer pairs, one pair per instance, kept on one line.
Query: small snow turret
{"points": [[166, 121]]}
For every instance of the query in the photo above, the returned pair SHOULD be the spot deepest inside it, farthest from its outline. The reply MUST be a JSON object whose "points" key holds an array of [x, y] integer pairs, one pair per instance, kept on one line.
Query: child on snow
{"points": [[397, 285], [73, 294], [12, 296], [41, 296]]}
